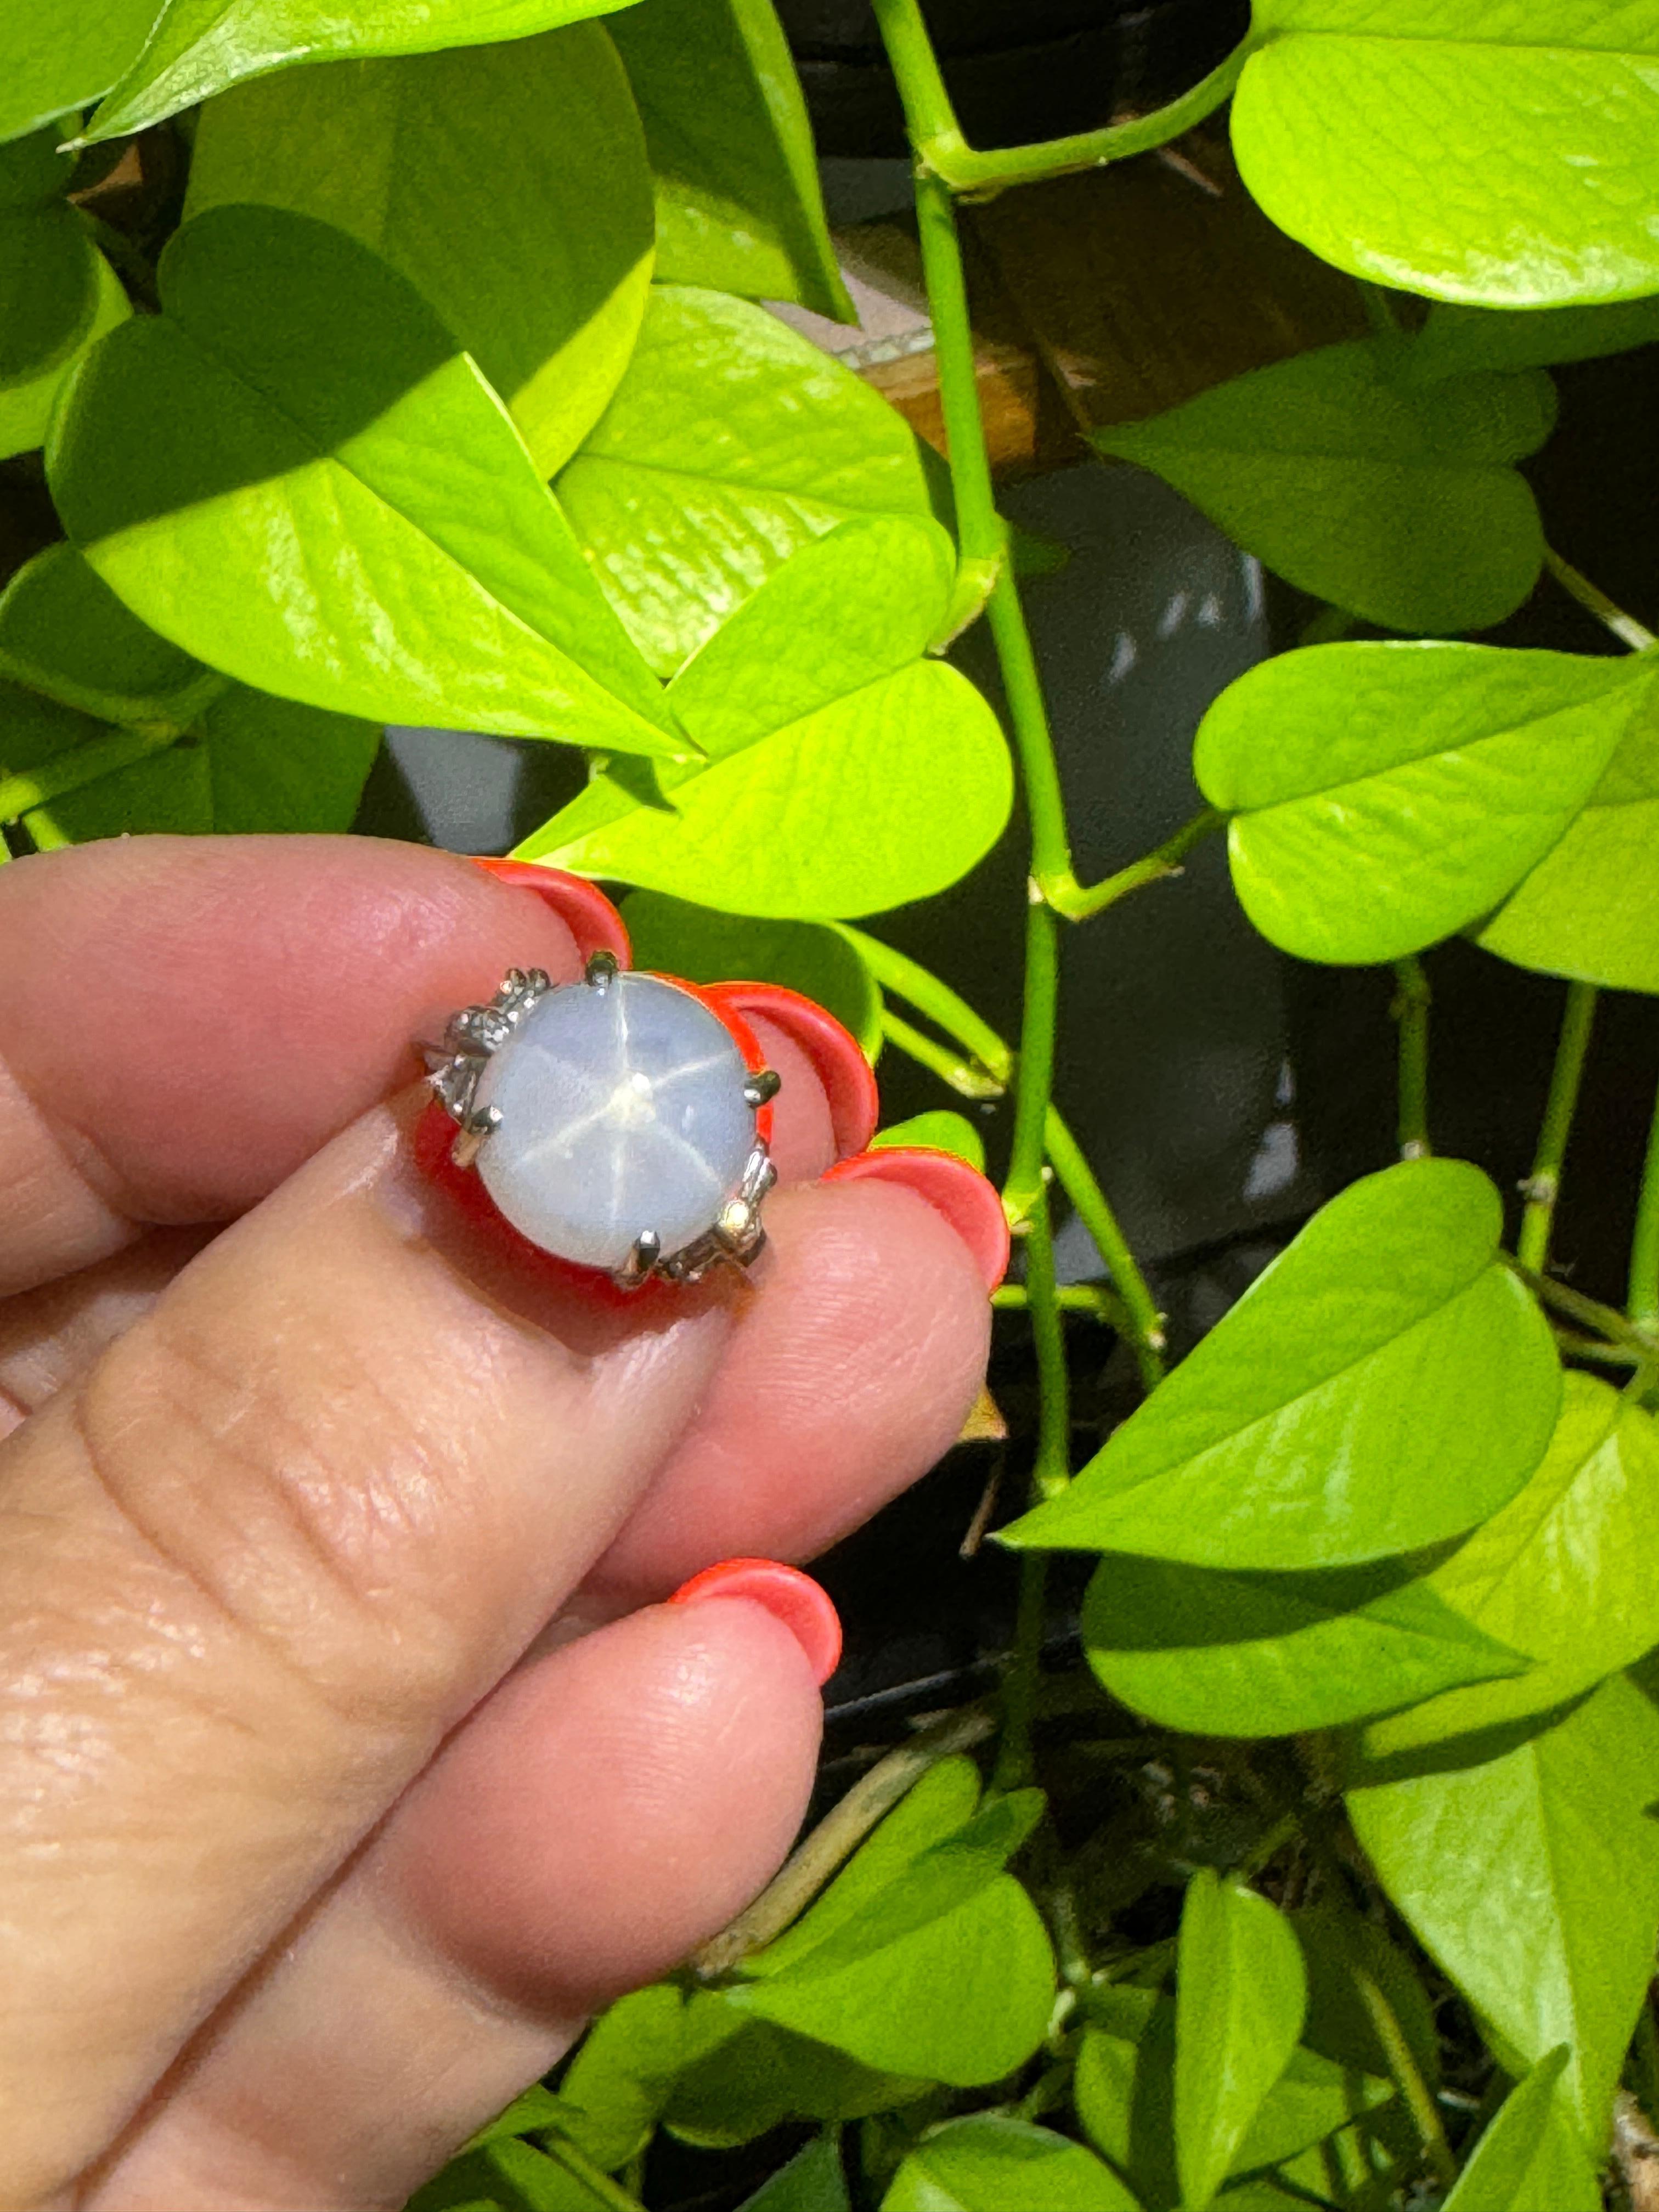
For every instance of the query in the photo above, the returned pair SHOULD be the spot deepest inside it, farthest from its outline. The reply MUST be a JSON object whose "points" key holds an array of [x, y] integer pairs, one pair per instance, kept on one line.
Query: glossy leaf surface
{"points": [[989, 2164], [939, 1131], [508, 182], [298, 392], [1590, 907], [198, 47], [1396, 502], [1560, 1574], [706, 947], [1528, 1863], [1384, 796], [1384, 1384], [1506, 155], [54, 59], [1240, 1995], [697, 483], [739, 206], [1263, 1654]]}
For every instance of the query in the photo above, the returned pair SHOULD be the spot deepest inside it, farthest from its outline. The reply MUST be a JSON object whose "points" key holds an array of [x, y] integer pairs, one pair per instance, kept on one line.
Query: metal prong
{"points": [[477, 1126], [762, 1087], [647, 1250], [601, 966]]}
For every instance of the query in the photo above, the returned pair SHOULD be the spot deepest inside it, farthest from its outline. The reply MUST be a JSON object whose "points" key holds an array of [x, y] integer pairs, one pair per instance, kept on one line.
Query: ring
{"points": [[620, 1123]]}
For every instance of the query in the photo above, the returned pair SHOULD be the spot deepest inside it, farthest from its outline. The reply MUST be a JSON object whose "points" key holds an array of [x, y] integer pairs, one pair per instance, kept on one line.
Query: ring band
{"points": [[621, 1123]]}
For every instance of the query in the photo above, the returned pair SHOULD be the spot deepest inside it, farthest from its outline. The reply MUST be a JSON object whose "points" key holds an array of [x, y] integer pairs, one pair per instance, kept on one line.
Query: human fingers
{"points": [[607, 1808]]}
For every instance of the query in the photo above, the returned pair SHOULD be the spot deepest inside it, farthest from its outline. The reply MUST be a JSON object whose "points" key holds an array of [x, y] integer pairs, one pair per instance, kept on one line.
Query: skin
{"points": [[349, 1758]]}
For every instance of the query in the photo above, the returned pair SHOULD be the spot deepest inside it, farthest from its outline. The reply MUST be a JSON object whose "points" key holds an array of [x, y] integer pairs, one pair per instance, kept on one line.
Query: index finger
{"points": [[184, 1020]]}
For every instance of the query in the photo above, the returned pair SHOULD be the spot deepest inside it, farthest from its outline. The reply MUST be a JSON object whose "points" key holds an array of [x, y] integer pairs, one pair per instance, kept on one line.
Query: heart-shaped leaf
{"points": [[697, 483], [990, 2164], [1253, 1654], [1506, 155], [1531, 1873], [1386, 1383], [26, 405], [1590, 907], [1396, 501], [64, 634], [1560, 1574], [56, 59], [1458, 341], [1385, 796], [829, 745], [705, 947], [738, 205], [197, 47], [1240, 1995], [419, 156], [298, 393]]}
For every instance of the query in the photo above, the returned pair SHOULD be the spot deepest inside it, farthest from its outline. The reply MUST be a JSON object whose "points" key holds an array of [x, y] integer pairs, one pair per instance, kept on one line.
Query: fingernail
{"points": [[951, 1186], [848, 1079], [582, 907], [802, 1605]]}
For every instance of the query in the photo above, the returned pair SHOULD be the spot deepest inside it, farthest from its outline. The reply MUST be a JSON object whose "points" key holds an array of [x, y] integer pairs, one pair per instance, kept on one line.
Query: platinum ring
{"points": [[620, 1123]]}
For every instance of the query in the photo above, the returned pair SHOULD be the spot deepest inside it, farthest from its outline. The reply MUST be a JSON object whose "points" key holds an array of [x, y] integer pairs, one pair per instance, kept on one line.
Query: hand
{"points": [[308, 1868]]}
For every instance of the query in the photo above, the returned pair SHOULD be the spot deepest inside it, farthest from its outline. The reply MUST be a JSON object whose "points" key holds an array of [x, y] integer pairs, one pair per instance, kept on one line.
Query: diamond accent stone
{"points": [[622, 1111]]}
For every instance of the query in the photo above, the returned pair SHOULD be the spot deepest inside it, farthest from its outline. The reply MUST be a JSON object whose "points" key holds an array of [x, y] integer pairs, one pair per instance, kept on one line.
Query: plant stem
{"points": [[1544, 1183], [1605, 1321], [1623, 627], [593, 2178], [1067, 896], [1643, 1300], [1014, 1764], [1093, 1298], [932, 996], [1077, 1180], [967, 1079], [936, 135], [837, 1836], [1426, 2113], [1411, 1010], [69, 771]]}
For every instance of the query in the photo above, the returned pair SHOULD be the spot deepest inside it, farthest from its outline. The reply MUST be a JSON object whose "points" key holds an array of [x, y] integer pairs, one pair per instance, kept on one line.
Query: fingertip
{"points": [[582, 907], [953, 1189], [803, 1606], [832, 1052]]}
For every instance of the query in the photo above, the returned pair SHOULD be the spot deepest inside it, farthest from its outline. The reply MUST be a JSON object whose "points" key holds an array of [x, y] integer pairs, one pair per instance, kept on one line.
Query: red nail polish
{"points": [[582, 907], [848, 1079], [951, 1186], [802, 1605]]}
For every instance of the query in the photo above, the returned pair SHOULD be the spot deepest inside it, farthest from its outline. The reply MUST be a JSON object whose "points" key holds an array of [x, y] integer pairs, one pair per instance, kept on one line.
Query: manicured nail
{"points": [[582, 907], [802, 1605], [848, 1079], [951, 1186]]}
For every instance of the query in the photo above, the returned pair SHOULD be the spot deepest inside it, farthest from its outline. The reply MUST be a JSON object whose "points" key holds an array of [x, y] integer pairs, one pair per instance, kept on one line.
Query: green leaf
{"points": [[419, 157], [1338, 1947], [26, 405], [1504, 154], [742, 2076], [830, 744], [1386, 795], [700, 477], [294, 474], [813, 2181], [988, 2164], [1455, 341], [1396, 502], [1563, 1574], [48, 264], [1384, 1384], [1311, 2100], [1496, 2172], [1590, 907], [63, 632], [941, 1131], [198, 47], [619, 2083], [1240, 1997], [56, 58], [706, 947], [504, 2176], [738, 207], [1256, 1655], [1528, 1863]]}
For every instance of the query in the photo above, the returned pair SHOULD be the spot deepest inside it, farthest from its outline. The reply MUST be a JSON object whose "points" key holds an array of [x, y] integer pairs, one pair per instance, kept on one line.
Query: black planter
{"points": [[1017, 70]]}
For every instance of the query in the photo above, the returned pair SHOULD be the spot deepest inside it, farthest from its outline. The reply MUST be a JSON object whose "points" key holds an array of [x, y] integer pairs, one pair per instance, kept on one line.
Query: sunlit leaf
{"points": [[1384, 1384], [1397, 502], [742, 2076], [299, 394], [1384, 796], [53, 59], [1241, 1994], [197, 47], [739, 206], [509, 184], [990, 2164], [941, 1131], [1528, 1862], [1505, 153], [1505, 2161], [697, 481]]}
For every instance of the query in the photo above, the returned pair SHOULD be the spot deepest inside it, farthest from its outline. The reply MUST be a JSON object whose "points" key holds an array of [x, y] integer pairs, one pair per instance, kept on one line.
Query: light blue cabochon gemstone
{"points": [[622, 1111]]}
